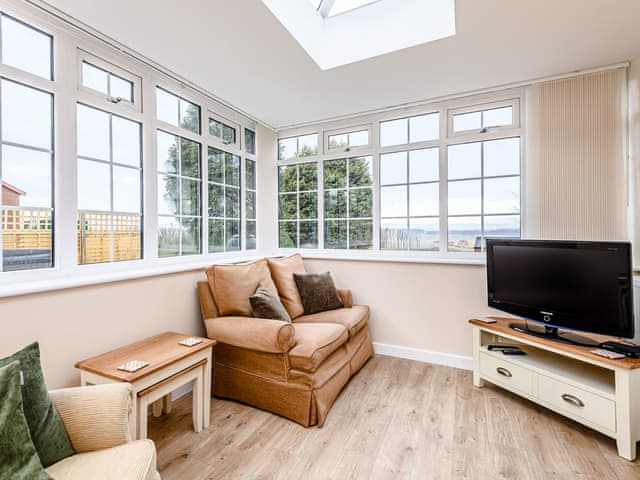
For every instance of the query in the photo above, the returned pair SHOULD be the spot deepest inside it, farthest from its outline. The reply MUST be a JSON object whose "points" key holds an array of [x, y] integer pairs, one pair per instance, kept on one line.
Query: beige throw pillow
{"points": [[282, 271], [232, 285]]}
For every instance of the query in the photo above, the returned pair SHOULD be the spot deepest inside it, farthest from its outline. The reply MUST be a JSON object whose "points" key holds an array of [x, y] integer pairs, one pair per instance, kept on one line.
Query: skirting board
{"points": [[427, 356]]}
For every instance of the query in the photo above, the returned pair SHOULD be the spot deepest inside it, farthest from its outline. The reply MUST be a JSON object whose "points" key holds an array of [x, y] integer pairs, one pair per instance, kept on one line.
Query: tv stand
{"points": [[551, 333], [595, 391]]}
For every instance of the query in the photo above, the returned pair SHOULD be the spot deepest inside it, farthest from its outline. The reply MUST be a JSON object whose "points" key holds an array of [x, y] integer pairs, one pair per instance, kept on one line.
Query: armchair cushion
{"points": [[131, 461], [282, 270], [314, 343], [260, 334], [18, 456], [353, 319], [232, 285], [46, 428], [95, 417]]}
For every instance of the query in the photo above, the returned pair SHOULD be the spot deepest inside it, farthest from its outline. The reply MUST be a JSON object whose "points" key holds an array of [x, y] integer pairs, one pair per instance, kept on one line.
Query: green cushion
{"points": [[18, 456], [46, 428]]}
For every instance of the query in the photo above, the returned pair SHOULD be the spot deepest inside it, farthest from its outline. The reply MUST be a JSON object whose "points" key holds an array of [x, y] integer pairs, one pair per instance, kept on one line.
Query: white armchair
{"points": [[97, 421]]}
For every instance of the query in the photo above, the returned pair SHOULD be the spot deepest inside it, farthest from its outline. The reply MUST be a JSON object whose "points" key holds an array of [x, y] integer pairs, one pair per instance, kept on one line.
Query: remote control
{"points": [[514, 352], [624, 348], [501, 347], [608, 354]]}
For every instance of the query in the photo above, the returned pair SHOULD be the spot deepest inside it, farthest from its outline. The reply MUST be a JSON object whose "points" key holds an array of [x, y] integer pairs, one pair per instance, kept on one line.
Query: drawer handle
{"points": [[572, 400], [504, 372]]}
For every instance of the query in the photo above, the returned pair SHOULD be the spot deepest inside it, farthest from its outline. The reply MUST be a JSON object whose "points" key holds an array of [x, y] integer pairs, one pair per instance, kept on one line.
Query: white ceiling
{"points": [[240, 51]]}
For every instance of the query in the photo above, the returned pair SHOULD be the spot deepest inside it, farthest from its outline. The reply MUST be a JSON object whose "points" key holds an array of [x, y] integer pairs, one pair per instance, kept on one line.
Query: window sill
{"points": [[387, 257]]}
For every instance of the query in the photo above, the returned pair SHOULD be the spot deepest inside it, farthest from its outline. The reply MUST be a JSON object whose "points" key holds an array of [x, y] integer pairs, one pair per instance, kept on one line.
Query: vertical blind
{"points": [[576, 181]]}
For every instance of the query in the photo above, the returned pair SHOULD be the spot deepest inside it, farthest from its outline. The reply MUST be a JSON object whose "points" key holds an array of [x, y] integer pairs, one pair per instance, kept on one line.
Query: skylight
{"points": [[341, 6]]}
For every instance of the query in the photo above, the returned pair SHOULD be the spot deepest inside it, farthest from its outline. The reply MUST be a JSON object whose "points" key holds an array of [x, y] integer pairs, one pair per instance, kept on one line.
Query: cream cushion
{"points": [[282, 271], [131, 461], [232, 285]]}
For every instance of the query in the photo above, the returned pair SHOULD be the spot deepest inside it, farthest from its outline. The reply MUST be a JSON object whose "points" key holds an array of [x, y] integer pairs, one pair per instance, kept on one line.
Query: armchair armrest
{"points": [[346, 297], [95, 417], [260, 334]]}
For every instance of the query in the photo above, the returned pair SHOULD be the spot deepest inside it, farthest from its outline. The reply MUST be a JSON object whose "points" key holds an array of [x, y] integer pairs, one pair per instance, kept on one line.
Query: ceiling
{"points": [[239, 51]]}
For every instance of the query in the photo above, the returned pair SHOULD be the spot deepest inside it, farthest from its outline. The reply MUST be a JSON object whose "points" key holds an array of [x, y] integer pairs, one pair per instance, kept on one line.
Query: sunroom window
{"points": [[26, 48], [113, 86], [298, 205], [224, 201], [177, 111], [296, 147]]}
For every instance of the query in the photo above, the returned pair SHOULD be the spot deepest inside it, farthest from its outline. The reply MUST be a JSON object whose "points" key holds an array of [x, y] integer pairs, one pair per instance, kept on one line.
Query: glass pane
{"points": [[232, 170], [424, 200], [393, 201], [465, 160], [360, 234], [95, 78], [338, 141], [465, 197], [287, 148], [121, 88], [359, 139], [228, 134], [216, 200], [126, 190], [232, 232], [26, 115], [360, 203], [251, 236], [93, 133], [335, 174], [502, 195], [360, 172], [189, 158], [335, 204], [424, 128], [169, 233], [465, 234], [288, 235], [394, 132], [394, 234], [95, 237], [288, 206], [126, 141], [94, 192], [335, 234], [502, 226], [308, 205], [424, 165], [25, 48], [190, 236], [251, 205], [308, 145], [502, 157], [189, 116], [424, 234], [393, 168], [167, 152], [467, 121], [26, 239], [249, 140], [127, 237], [190, 197], [232, 203], [497, 116], [167, 195], [216, 165], [167, 107], [308, 176], [308, 235], [26, 177], [216, 236], [215, 128], [250, 166], [288, 179]]}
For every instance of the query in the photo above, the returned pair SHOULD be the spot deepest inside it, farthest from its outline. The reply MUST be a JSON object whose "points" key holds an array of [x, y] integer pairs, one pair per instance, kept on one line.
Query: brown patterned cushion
{"points": [[318, 292], [267, 305]]}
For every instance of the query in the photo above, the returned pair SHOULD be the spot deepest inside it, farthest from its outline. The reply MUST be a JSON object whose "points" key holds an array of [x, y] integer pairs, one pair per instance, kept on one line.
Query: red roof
{"points": [[8, 186]]}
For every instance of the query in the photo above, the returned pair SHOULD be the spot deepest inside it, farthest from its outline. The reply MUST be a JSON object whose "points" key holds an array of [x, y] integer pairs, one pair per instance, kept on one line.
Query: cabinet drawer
{"points": [[506, 374], [578, 402]]}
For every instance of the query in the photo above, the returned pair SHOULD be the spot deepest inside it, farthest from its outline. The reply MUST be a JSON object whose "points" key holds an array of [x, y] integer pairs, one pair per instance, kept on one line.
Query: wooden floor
{"points": [[395, 419]]}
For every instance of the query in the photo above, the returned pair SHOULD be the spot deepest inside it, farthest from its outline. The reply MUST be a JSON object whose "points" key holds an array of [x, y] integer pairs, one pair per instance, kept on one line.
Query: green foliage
{"points": [[288, 234]]}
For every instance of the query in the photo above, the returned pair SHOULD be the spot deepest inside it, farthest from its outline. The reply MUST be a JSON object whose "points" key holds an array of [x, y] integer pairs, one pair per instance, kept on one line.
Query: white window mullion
{"points": [[150, 177], [443, 170]]}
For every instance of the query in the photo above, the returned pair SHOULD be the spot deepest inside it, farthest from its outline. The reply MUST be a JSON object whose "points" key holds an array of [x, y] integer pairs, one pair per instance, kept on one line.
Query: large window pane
{"points": [[502, 195], [465, 234], [288, 234], [465, 160], [424, 200], [168, 201], [424, 234], [394, 132], [308, 234], [424, 128], [190, 230], [393, 168], [169, 236], [232, 232], [298, 205], [167, 151], [394, 234], [26, 177], [502, 226], [126, 190], [126, 141], [216, 235], [26, 48], [465, 197], [335, 174], [94, 186], [335, 234], [360, 234], [424, 165], [26, 115], [93, 133], [189, 158], [249, 141], [95, 78], [393, 201], [502, 157], [177, 111], [190, 191], [308, 145]]}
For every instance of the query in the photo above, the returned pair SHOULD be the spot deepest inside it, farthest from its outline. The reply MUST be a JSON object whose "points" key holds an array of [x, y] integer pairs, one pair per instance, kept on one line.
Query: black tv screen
{"points": [[584, 286]]}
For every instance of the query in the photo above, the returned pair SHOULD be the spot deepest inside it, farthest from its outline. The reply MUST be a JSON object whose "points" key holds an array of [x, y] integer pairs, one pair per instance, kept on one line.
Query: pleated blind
{"points": [[576, 182]]}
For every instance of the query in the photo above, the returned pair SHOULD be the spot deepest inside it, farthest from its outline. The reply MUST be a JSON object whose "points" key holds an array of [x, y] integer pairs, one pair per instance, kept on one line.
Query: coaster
{"points": [[133, 365], [190, 341]]}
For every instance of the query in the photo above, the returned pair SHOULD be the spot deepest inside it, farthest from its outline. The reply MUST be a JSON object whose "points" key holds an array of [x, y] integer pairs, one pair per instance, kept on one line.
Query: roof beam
{"points": [[325, 7]]}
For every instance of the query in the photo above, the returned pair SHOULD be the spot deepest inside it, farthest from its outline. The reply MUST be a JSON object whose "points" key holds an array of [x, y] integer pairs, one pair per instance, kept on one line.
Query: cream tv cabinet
{"points": [[598, 392]]}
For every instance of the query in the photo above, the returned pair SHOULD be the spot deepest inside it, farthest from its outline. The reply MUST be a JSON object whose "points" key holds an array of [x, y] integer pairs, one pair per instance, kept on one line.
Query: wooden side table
{"points": [[171, 366]]}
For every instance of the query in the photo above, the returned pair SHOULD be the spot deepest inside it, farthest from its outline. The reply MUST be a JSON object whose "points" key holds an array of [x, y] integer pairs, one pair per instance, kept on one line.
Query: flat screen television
{"points": [[580, 286]]}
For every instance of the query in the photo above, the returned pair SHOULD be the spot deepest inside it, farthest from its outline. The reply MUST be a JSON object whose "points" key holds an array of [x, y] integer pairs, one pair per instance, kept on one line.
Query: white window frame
{"points": [[298, 159], [223, 144], [409, 144], [514, 103], [349, 150]]}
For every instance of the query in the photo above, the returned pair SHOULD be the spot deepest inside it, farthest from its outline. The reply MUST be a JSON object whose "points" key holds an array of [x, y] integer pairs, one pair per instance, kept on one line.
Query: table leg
{"points": [[157, 408], [166, 404], [143, 407], [206, 397], [197, 402]]}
